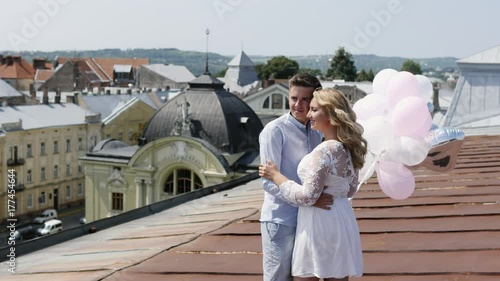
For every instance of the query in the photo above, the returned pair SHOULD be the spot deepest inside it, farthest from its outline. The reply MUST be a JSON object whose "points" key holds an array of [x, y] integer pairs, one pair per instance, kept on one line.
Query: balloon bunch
{"points": [[396, 121]]}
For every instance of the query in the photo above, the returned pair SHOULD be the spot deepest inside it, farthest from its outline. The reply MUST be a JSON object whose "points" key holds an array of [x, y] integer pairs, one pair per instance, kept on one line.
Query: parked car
{"points": [[25, 233], [45, 216], [49, 227]]}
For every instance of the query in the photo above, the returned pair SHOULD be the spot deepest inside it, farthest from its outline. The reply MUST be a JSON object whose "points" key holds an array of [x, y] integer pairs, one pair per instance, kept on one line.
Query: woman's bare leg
{"points": [[305, 279], [336, 279]]}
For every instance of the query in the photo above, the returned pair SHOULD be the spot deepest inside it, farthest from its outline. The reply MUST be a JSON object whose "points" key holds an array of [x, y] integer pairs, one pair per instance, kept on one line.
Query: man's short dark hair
{"points": [[304, 80]]}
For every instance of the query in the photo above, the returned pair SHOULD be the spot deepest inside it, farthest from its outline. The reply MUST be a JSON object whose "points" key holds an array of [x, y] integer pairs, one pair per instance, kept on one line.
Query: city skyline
{"points": [[402, 28]]}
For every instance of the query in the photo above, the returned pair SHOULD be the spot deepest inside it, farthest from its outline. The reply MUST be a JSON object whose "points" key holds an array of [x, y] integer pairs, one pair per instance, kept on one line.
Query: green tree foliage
{"points": [[411, 66], [221, 73], [342, 66], [370, 75], [362, 76], [279, 67], [314, 72]]}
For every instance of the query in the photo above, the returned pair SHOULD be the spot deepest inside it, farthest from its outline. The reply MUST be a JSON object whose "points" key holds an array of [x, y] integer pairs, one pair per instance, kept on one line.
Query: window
{"points": [[277, 101], [80, 189], [42, 174], [29, 202], [42, 197], [28, 176], [56, 147], [13, 153], [80, 168], [117, 201], [80, 143], [266, 103], [56, 171], [29, 152], [169, 185], [68, 145], [68, 169], [42, 148], [120, 136], [68, 192], [181, 181]]}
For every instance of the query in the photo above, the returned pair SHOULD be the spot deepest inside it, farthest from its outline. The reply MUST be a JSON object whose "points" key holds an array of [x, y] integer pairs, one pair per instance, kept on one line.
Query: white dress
{"points": [[327, 242]]}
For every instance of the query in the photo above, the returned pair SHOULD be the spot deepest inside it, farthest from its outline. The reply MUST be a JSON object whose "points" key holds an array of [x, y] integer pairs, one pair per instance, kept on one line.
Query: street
{"points": [[69, 217]]}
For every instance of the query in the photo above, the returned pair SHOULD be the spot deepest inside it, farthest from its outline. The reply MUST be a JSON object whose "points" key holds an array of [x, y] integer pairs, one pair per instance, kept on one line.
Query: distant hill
{"points": [[195, 61]]}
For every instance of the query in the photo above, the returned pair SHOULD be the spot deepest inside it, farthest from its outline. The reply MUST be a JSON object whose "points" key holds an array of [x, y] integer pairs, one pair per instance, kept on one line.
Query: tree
{"points": [[314, 72], [370, 75], [411, 66], [362, 76], [279, 67], [221, 73], [342, 66]]}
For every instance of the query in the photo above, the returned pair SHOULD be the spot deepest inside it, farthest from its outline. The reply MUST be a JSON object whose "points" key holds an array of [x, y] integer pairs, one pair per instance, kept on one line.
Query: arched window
{"points": [[169, 184], [181, 181], [277, 101], [266, 103]]}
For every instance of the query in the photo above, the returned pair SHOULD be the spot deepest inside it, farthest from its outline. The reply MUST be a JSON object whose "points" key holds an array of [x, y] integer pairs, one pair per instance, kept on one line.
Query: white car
{"points": [[45, 216]]}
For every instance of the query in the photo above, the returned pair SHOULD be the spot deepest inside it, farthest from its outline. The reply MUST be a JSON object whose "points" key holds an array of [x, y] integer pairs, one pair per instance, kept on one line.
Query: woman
{"points": [[327, 242]]}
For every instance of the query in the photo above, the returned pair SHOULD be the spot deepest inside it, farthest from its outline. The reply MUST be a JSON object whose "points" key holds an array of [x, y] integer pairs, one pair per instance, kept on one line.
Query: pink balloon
{"points": [[411, 117], [402, 85], [395, 180]]}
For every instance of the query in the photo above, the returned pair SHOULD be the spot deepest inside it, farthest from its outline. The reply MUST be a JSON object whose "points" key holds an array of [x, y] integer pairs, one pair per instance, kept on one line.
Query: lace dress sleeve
{"points": [[319, 166]]}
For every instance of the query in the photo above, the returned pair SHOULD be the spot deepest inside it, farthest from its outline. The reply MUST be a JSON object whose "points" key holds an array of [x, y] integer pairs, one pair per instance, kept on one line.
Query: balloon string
{"points": [[368, 175]]}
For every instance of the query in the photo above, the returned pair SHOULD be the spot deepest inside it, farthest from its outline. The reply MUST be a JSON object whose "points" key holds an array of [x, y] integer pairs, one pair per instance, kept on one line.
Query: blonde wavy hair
{"points": [[341, 115]]}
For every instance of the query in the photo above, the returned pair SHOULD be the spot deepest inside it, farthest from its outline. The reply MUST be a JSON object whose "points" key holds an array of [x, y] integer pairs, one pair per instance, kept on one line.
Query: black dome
{"points": [[213, 114]]}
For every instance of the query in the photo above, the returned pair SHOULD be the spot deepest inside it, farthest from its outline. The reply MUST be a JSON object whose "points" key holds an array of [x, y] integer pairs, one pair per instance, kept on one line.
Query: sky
{"points": [[403, 28]]}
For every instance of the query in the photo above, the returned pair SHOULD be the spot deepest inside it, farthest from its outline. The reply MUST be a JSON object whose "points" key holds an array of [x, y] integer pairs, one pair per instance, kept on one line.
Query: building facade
{"points": [[41, 145], [202, 137]]}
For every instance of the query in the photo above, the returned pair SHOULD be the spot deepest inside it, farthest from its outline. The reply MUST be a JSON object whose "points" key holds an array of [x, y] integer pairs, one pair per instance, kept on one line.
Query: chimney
{"points": [[45, 98], [435, 97], [32, 92], [39, 63], [9, 60], [2, 60], [17, 59], [57, 98]]}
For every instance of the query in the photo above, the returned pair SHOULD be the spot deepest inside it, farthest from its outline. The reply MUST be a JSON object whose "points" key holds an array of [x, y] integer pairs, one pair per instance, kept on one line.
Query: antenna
{"points": [[207, 32]]}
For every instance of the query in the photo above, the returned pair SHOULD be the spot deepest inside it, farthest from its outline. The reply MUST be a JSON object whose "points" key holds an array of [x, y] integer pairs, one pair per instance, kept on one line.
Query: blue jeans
{"points": [[277, 250]]}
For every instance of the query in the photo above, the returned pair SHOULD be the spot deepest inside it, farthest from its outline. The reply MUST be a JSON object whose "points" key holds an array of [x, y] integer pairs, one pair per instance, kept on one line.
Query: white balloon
{"points": [[371, 105], [381, 80], [378, 133], [425, 88], [408, 151]]}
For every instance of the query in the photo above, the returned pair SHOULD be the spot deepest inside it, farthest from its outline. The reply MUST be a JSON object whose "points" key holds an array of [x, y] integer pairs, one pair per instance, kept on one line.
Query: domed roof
{"points": [[207, 111]]}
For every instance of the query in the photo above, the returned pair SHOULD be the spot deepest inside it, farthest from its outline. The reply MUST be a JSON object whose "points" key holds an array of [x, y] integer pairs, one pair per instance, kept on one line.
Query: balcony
{"points": [[15, 162]]}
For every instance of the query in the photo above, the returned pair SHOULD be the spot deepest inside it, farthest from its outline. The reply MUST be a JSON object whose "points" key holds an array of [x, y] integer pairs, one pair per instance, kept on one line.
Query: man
{"points": [[285, 141]]}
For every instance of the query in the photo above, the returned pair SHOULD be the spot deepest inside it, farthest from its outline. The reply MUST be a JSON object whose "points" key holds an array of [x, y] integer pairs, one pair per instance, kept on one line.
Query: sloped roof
{"points": [[490, 56], [44, 116], [19, 69], [106, 104], [103, 67], [214, 115], [6, 90], [107, 64], [447, 230], [241, 60], [43, 74], [177, 73]]}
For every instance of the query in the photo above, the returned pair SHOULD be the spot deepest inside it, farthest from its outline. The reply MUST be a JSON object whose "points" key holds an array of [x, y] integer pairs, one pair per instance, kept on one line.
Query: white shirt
{"points": [[285, 141]]}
